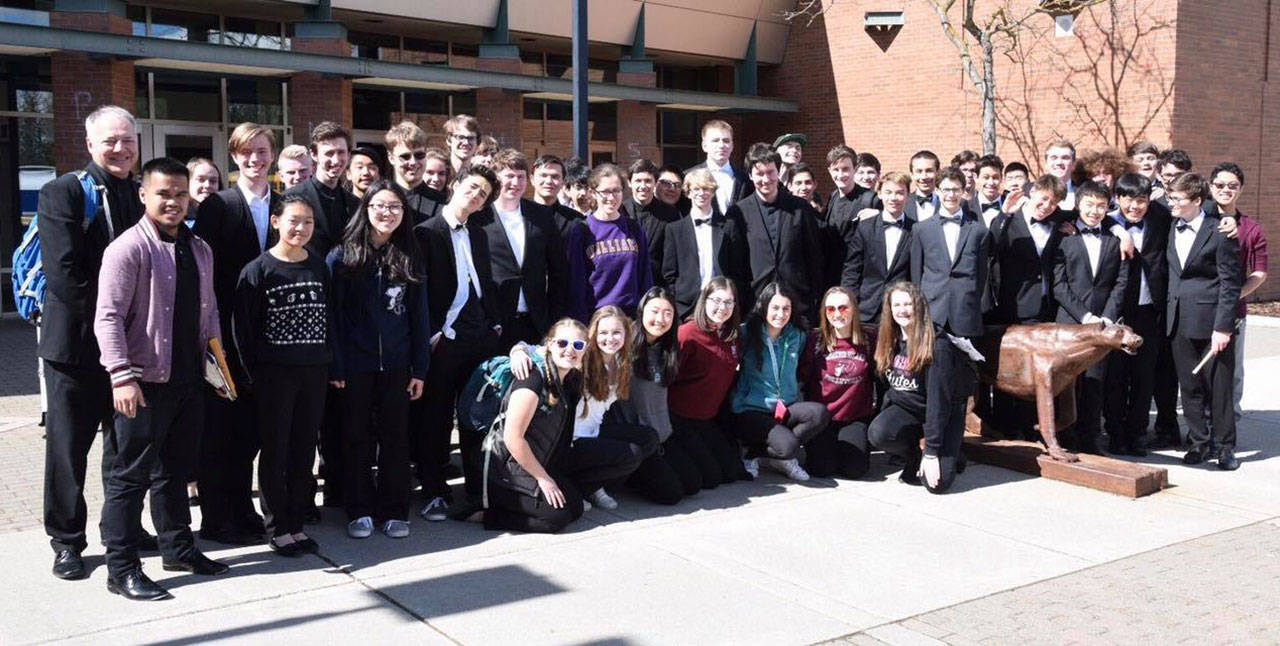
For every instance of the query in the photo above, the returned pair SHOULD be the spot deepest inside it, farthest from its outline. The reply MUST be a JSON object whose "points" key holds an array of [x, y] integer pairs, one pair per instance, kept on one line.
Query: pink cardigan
{"points": [[134, 319]]}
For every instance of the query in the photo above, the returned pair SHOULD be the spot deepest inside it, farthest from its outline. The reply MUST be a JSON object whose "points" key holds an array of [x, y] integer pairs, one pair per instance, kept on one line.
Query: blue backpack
{"points": [[28, 268]]}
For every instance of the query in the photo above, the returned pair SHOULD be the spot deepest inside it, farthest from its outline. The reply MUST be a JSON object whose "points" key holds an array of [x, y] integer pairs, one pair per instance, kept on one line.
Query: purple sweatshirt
{"points": [[134, 320], [608, 265]]}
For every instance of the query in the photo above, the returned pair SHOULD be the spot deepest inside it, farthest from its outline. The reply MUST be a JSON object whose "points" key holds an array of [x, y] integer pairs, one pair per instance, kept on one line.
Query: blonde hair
{"points": [[245, 133], [699, 178], [296, 152], [406, 133]]}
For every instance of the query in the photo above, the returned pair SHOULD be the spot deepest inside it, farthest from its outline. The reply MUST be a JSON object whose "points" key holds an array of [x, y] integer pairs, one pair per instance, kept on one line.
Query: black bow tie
{"points": [[953, 219], [1183, 226], [900, 223], [1091, 231], [458, 227], [923, 199], [988, 206], [1140, 225], [697, 222], [1042, 223]]}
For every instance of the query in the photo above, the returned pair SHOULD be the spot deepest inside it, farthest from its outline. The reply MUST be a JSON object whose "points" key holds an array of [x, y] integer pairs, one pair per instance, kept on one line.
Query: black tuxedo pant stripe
{"points": [[290, 407], [156, 452], [79, 403], [1207, 394]]}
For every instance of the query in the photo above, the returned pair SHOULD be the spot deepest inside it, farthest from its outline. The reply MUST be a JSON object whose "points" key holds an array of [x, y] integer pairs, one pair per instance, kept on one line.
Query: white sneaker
{"points": [[361, 527], [436, 510], [396, 528], [790, 468], [752, 465], [603, 500]]}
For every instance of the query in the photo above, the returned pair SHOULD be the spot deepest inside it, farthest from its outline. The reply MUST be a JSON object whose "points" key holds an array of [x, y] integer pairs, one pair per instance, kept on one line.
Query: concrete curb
{"points": [[1254, 320]]}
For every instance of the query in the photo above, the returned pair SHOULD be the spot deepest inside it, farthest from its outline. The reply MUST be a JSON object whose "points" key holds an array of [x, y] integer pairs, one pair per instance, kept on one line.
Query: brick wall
{"points": [[501, 111], [81, 83], [316, 97], [637, 123]]}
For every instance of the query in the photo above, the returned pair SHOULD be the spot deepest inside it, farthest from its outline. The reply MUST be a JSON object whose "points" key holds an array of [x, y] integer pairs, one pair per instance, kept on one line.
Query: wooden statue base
{"points": [[1095, 472]]}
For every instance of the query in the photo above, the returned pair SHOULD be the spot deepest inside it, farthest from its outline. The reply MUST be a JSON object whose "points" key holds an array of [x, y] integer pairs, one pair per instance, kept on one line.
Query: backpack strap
{"points": [[94, 202]]}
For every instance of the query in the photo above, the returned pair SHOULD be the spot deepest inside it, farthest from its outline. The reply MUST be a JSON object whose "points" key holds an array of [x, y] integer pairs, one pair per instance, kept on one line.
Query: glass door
{"points": [[182, 142]]}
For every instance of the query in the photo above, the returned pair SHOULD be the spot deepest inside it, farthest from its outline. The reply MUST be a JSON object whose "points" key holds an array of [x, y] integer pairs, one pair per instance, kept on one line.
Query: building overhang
{"points": [[160, 52]]}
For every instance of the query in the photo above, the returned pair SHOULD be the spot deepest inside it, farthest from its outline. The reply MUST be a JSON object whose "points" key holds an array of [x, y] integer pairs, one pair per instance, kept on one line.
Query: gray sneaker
{"points": [[396, 528], [602, 499], [361, 527], [435, 511]]}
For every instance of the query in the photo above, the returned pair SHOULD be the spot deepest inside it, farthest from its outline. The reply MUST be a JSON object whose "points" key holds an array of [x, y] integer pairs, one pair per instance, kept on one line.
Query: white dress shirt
{"points": [[1069, 202], [928, 209], [1184, 239], [260, 209], [706, 249], [513, 224], [1039, 233], [724, 184], [1092, 246], [464, 268], [892, 237], [951, 233]]}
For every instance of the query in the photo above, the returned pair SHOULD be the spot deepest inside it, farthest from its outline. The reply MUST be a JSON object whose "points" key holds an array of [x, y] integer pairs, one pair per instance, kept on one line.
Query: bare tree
{"points": [[806, 8]]}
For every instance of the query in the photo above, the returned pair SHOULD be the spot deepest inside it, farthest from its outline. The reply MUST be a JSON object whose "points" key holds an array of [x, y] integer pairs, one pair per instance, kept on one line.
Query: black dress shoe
{"points": [[308, 545], [909, 477], [1166, 441], [1227, 460], [69, 566], [197, 563], [136, 586], [311, 516], [230, 536], [1194, 456], [291, 550], [1134, 448]]}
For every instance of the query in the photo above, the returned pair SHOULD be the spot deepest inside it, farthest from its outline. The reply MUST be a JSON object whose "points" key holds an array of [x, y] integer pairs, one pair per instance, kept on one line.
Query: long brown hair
{"points": [[919, 340], [729, 329], [595, 377], [827, 332]]}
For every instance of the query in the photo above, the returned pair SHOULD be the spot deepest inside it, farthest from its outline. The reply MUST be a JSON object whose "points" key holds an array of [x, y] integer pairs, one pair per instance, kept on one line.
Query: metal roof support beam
{"points": [[745, 76], [497, 40], [634, 60], [289, 61]]}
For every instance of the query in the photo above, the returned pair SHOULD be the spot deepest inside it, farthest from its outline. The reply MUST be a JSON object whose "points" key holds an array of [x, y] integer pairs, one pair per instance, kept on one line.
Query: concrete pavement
{"points": [[1004, 559]]}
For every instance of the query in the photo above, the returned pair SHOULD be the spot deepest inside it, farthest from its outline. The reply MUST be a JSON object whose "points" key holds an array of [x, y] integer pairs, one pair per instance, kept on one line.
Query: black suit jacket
{"points": [[442, 280], [1022, 280], [424, 203], [1152, 261], [975, 204], [680, 259], [794, 260], [1077, 289], [565, 217], [953, 288], [866, 270], [72, 257], [653, 218], [1203, 293], [544, 276], [328, 232], [225, 222], [741, 186]]}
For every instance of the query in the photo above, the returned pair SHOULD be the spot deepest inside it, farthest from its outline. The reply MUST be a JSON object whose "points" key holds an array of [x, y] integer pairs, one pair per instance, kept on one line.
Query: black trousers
{"points": [[840, 450], [687, 446], [375, 416], [516, 329], [951, 379], [1089, 405], [290, 404], [721, 447], [897, 431], [510, 510], [668, 475], [230, 443], [611, 457], [1213, 388], [79, 403], [331, 448], [156, 451], [1130, 380], [1166, 387], [765, 436], [452, 363]]}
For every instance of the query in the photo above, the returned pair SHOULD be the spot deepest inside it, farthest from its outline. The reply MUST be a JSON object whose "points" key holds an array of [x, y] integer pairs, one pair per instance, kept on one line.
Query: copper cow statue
{"points": [[1040, 363]]}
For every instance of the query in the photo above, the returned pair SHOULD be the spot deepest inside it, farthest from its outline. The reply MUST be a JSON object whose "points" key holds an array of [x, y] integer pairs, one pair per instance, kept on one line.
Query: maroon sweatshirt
{"points": [[842, 378], [708, 368]]}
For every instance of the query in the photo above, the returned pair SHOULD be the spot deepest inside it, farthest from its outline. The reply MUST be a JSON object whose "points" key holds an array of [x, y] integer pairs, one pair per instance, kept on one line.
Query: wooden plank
{"points": [[1093, 471]]}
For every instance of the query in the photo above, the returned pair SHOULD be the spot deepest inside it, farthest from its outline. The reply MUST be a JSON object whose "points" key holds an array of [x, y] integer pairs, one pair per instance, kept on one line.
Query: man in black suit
{"points": [[879, 247], [1023, 246], [653, 214], [547, 179], [1089, 280], [332, 204], [1130, 380], [530, 268], [1204, 285], [732, 183], [1059, 161], [407, 150], [78, 388], [988, 194], [924, 201], [781, 232], [840, 214], [949, 263], [236, 223], [462, 299], [702, 246]]}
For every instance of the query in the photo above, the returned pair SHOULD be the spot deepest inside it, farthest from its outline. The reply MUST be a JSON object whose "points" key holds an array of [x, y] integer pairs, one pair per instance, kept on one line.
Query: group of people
{"points": [[667, 331]]}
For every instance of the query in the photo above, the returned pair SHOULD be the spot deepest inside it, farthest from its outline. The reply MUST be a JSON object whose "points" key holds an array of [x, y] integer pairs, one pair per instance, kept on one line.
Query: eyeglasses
{"points": [[1174, 197], [720, 302], [417, 154], [668, 183], [832, 309], [470, 138], [385, 207], [613, 192], [1226, 186], [578, 344], [947, 191]]}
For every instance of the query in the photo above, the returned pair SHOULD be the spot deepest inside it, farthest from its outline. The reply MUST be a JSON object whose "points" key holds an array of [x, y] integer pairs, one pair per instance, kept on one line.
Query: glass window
{"points": [[372, 109], [260, 100], [26, 12], [374, 46], [246, 32], [679, 127], [681, 157], [705, 79], [426, 102], [559, 111], [187, 96], [137, 18], [425, 52], [26, 85], [461, 55], [531, 63], [464, 102], [602, 70], [141, 95], [533, 109], [183, 25], [559, 66], [604, 120]]}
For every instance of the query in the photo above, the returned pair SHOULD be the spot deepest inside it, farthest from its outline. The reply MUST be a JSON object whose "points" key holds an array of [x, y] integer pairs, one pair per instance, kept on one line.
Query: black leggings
{"points": [[668, 475], [840, 450], [897, 431], [764, 436], [290, 403], [375, 415], [595, 462], [715, 451], [510, 510]]}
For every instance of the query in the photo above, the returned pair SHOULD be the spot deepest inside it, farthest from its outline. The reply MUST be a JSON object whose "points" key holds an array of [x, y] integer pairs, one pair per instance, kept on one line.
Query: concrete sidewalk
{"points": [[1005, 558]]}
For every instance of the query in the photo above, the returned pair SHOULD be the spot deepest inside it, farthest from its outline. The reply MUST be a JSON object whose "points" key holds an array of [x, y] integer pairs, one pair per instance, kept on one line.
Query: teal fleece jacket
{"points": [[759, 386]]}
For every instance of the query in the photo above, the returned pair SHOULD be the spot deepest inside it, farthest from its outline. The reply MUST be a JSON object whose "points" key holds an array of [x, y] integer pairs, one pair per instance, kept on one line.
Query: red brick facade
{"points": [[315, 97], [637, 123], [501, 111], [82, 82]]}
